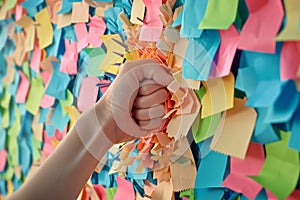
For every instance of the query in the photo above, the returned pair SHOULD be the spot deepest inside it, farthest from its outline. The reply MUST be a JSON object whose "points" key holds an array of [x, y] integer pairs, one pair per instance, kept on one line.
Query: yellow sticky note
{"points": [[111, 46], [235, 130], [10, 74], [44, 28], [28, 24], [73, 114], [35, 95], [37, 128], [80, 12], [219, 95], [137, 12], [291, 30], [64, 20]]}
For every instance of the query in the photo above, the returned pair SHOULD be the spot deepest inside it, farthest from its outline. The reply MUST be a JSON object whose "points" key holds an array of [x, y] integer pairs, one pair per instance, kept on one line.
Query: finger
{"points": [[157, 111], [148, 87], [151, 124], [157, 97]]}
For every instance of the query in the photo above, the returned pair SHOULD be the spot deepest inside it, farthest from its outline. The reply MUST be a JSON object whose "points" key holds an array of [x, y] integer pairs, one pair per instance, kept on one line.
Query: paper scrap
{"points": [[44, 28], [237, 124]]}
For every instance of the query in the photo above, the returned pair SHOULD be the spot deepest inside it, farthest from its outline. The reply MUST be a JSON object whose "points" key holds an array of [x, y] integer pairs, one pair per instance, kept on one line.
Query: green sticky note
{"points": [[96, 57], [5, 104], [67, 102], [219, 14], [36, 148], [12, 142], [11, 4], [201, 92], [110, 193], [9, 171], [187, 193], [280, 172], [35, 95], [205, 127], [26, 70]]}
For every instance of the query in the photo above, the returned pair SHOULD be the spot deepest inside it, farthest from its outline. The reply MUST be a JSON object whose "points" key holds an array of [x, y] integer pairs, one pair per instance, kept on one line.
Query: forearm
{"points": [[65, 171]]}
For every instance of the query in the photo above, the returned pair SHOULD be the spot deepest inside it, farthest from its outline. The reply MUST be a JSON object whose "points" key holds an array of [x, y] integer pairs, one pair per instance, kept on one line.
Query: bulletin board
{"points": [[239, 58]]}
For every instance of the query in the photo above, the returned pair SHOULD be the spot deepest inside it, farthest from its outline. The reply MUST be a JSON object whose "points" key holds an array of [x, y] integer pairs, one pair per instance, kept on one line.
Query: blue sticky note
{"points": [[3, 70], [2, 138], [58, 120], [57, 46], [13, 87], [43, 115], [69, 33], [263, 132], [294, 141], [17, 182], [211, 170], [125, 5], [32, 6], [25, 156], [3, 35], [58, 83], [193, 13], [113, 24], [66, 7], [208, 193], [285, 105], [50, 129], [3, 189], [199, 55]]}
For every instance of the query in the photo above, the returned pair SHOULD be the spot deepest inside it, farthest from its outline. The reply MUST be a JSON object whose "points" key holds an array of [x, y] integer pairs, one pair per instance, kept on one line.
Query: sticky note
{"points": [[88, 93], [262, 25], [219, 14], [291, 31], [209, 193], [164, 190], [219, 95], [113, 23], [96, 57], [69, 59], [80, 12], [199, 55], [152, 28], [2, 159], [97, 28], [237, 180], [35, 95], [237, 125], [294, 139], [23, 88], [44, 28], [192, 14], [289, 66], [81, 35], [66, 7], [58, 120], [28, 24], [280, 171], [73, 114], [137, 12], [211, 170], [226, 53], [58, 83], [125, 188], [47, 100], [67, 102], [36, 59]]}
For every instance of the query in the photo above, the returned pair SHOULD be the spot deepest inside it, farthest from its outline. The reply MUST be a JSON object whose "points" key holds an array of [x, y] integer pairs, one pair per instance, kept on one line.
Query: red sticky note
{"points": [[125, 189], [262, 25], [88, 93], [23, 88], [289, 61]]}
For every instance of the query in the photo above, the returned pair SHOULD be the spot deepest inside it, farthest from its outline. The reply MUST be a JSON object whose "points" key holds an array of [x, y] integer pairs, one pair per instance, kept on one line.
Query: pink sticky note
{"points": [[104, 86], [228, 46], [36, 59], [125, 189], [60, 135], [185, 198], [289, 64], [262, 25], [18, 12], [69, 59], [152, 27], [3, 155], [96, 30], [294, 196], [48, 147], [81, 35], [88, 93], [237, 180], [23, 88], [47, 100], [270, 195]]}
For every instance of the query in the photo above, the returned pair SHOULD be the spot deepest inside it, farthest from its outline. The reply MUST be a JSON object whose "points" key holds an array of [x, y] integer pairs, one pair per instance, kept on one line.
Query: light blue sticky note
{"points": [[25, 156], [246, 80], [263, 132], [3, 35], [208, 193], [3, 70], [58, 120], [193, 13], [285, 105], [2, 138], [50, 129], [57, 46], [294, 141], [3, 187], [265, 93], [17, 182], [69, 33], [211, 170], [43, 115], [124, 5], [58, 83], [113, 24], [31, 6], [177, 21], [199, 55], [66, 7], [13, 87]]}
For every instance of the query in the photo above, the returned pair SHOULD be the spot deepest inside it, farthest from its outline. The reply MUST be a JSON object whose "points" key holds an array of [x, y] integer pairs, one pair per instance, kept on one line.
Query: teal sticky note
{"points": [[58, 120], [2, 138], [211, 170], [57, 46], [43, 115], [294, 141], [192, 14], [25, 156], [113, 24], [3, 37], [199, 55], [208, 193], [58, 83], [66, 7]]}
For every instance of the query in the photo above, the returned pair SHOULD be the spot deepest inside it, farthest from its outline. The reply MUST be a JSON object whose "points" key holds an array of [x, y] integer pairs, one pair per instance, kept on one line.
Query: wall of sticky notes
{"points": [[240, 135]]}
